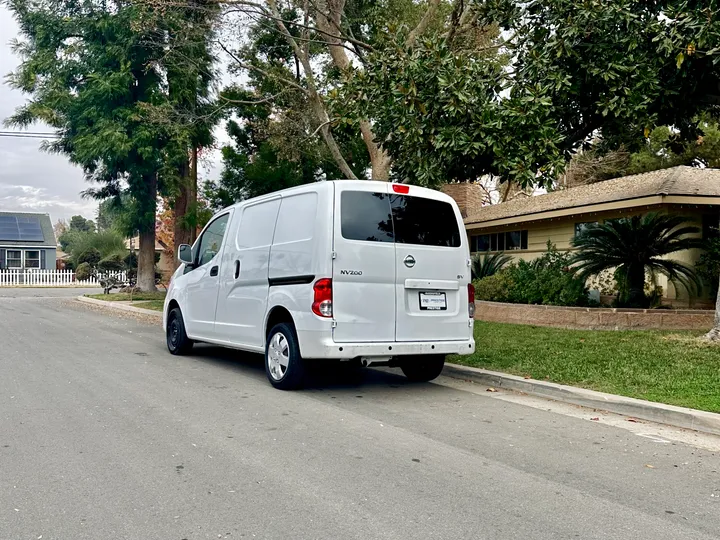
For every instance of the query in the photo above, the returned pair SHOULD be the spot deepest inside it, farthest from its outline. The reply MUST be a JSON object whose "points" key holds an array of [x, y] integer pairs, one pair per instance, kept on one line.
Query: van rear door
{"points": [[432, 266], [363, 263]]}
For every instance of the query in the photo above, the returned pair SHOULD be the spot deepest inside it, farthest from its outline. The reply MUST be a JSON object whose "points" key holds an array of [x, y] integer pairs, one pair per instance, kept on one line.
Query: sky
{"points": [[32, 180]]}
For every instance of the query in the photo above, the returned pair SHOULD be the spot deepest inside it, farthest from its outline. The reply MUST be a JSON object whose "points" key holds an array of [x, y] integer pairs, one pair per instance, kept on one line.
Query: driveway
{"points": [[103, 434]]}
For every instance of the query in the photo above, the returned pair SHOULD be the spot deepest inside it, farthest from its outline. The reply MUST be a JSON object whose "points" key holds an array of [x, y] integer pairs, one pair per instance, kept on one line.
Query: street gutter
{"points": [[682, 417]]}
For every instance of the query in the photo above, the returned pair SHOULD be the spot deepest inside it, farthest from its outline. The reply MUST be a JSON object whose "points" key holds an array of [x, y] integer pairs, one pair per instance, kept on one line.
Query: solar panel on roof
{"points": [[25, 228]]}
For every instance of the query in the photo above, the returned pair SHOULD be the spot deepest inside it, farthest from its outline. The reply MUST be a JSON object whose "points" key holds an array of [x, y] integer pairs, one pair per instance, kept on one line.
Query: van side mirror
{"points": [[185, 254]]}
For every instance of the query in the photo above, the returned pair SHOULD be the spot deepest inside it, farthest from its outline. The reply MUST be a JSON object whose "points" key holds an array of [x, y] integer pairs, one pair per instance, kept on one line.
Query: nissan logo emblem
{"points": [[409, 261]]}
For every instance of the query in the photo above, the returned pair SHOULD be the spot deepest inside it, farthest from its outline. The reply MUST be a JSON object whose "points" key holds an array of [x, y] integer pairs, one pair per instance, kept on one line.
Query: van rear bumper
{"points": [[312, 347]]}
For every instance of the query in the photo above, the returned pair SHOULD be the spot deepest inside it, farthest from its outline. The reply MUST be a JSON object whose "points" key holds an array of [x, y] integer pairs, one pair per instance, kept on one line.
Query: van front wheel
{"points": [[423, 368], [177, 340], [284, 367]]}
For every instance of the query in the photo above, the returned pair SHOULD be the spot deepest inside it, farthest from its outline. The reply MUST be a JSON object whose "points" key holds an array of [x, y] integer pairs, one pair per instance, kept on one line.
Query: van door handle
{"points": [[214, 271], [237, 269]]}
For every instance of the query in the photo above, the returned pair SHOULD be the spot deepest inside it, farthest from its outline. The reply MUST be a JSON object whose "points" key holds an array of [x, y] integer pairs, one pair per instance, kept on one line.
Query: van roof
{"points": [[325, 184]]}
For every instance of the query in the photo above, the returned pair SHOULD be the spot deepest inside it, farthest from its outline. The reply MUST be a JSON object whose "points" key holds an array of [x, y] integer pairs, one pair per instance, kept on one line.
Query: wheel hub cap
{"points": [[278, 356]]}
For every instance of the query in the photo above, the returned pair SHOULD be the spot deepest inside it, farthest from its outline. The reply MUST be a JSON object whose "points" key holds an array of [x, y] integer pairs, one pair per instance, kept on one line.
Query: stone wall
{"points": [[596, 318], [467, 196]]}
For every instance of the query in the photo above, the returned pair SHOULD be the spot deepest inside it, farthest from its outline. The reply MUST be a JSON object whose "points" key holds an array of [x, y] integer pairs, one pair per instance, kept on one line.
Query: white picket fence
{"points": [[52, 278]]}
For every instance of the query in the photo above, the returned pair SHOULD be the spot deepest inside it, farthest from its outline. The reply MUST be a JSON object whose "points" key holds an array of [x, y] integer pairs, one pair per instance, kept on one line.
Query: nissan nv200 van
{"points": [[372, 272]]}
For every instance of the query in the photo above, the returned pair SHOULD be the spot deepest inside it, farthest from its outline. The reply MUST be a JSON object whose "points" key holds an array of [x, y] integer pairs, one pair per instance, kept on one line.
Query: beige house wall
{"points": [[560, 231]]}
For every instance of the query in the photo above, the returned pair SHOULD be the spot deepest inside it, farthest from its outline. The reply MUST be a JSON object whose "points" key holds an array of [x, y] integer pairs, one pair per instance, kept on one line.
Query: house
{"points": [[523, 227], [27, 241], [166, 263]]}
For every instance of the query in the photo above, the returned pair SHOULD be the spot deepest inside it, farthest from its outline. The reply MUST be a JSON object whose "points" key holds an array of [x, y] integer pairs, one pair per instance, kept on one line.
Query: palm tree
{"points": [[488, 264], [635, 245]]}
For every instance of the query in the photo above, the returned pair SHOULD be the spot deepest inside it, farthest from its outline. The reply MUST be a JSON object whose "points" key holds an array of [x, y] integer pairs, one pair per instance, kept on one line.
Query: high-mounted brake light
{"points": [[401, 188], [471, 301], [322, 301]]}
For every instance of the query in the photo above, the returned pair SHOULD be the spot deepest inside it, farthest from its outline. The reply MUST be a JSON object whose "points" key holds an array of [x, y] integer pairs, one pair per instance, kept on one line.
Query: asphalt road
{"points": [[104, 435]]}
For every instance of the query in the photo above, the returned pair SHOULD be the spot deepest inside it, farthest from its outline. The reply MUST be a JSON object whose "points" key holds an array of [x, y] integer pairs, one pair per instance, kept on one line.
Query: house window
{"points": [[482, 242], [504, 241], [580, 228], [32, 259], [14, 259]]}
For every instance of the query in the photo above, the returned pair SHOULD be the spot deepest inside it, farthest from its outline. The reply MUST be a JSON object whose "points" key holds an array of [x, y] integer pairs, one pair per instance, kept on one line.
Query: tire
{"points": [[178, 343], [284, 367], [423, 368]]}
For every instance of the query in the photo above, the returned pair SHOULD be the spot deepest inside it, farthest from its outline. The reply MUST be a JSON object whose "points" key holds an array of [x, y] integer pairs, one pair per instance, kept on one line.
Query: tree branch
{"points": [[259, 70], [423, 24]]}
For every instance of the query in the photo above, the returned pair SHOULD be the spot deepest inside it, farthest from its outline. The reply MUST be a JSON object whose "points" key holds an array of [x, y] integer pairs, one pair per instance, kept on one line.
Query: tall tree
{"points": [[81, 224], [189, 62], [91, 68]]}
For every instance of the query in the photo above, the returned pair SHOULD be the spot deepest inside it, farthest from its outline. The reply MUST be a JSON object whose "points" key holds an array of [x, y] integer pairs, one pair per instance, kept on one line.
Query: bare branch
{"points": [[257, 69]]}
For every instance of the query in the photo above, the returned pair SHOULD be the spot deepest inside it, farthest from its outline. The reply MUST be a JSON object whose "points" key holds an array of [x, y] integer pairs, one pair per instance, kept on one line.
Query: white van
{"points": [[372, 272]]}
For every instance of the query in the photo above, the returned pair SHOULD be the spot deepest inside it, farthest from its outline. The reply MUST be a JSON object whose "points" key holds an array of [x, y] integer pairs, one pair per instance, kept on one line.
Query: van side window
{"points": [[291, 229], [211, 240], [257, 225], [366, 216], [425, 222]]}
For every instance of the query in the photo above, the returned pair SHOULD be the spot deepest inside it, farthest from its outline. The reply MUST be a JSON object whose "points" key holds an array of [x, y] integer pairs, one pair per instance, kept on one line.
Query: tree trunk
{"points": [[329, 21], [180, 208], [714, 333], [192, 196], [146, 253], [185, 224], [636, 286]]}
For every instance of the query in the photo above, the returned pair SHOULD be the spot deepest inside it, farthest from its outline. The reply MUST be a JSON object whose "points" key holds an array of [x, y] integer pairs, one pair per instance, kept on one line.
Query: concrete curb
{"points": [[682, 417], [121, 307]]}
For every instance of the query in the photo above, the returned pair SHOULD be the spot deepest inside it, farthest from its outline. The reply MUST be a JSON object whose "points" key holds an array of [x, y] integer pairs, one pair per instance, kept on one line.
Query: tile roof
{"points": [[45, 225], [689, 181]]}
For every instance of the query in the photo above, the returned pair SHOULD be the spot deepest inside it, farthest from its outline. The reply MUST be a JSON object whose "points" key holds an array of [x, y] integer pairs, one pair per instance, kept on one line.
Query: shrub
{"points": [[112, 263], [83, 272], [708, 266], [89, 256], [549, 280], [494, 288], [488, 264]]}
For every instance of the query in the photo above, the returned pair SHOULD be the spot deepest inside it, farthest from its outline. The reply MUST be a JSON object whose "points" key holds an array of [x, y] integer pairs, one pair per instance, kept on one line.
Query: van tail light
{"points": [[401, 188], [471, 300], [322, 302]]}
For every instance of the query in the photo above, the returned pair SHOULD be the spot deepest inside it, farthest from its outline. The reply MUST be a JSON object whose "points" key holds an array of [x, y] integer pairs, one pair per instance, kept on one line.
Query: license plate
{"points": [[433, 301]]}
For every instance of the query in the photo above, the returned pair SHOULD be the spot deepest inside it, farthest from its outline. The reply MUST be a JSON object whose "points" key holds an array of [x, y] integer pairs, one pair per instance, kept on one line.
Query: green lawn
{"points": [[157, 305], [668, 367], [125, 297]]}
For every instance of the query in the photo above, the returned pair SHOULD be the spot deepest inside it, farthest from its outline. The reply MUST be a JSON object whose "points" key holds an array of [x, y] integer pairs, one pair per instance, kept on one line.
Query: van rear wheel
{"points": [[284, 367], [422, 368]]}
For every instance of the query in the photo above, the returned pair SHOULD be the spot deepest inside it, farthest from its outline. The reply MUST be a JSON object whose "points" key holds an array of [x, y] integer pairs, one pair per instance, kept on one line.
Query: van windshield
{"points": [[379, 217]]}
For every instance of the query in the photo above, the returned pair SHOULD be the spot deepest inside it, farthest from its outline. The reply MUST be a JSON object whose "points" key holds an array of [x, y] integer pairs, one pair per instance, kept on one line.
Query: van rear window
{"points": [[379, 217], [366, 216]]}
